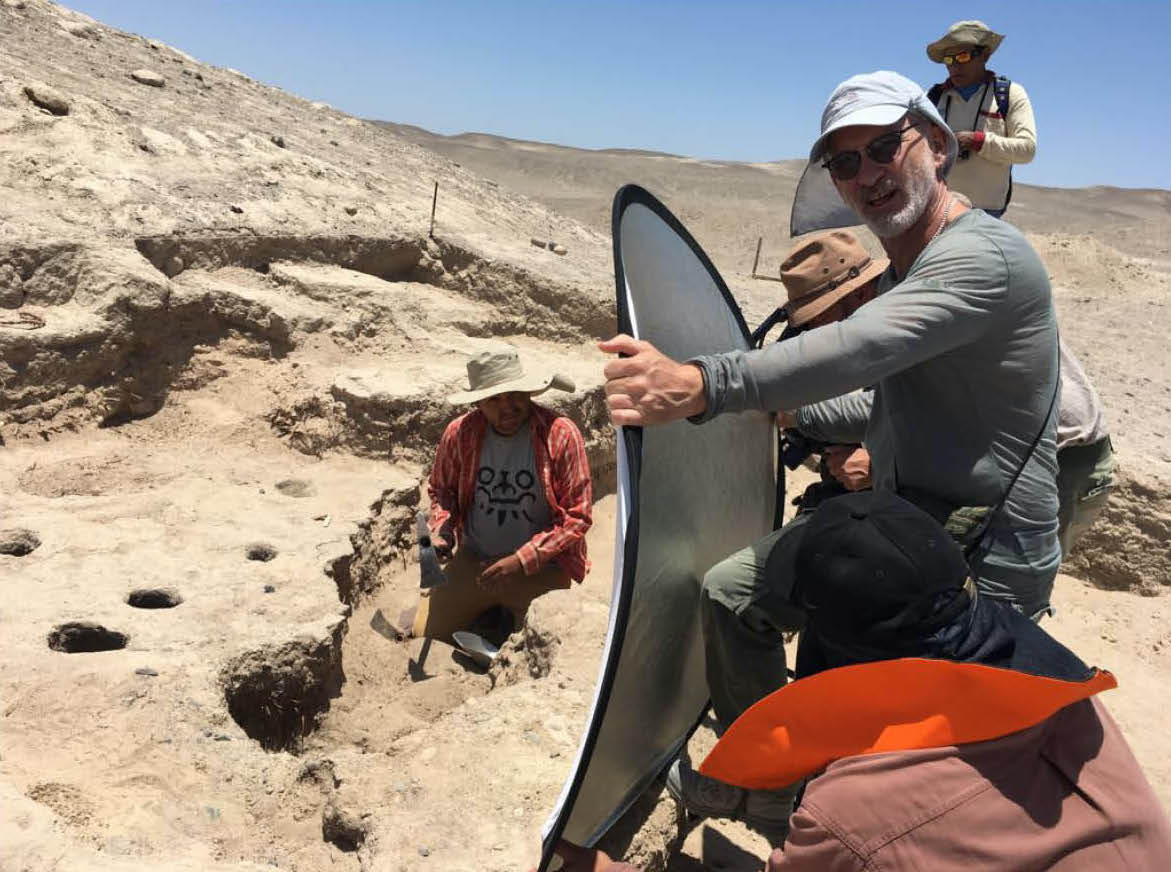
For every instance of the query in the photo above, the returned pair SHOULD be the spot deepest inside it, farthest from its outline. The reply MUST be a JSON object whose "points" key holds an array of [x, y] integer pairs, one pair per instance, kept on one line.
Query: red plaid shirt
{"points": [[562, 467]]}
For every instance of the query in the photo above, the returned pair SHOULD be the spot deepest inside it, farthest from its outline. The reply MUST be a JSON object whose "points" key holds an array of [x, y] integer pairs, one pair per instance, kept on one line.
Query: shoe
{"points": [[702, 796], [766, 811]]}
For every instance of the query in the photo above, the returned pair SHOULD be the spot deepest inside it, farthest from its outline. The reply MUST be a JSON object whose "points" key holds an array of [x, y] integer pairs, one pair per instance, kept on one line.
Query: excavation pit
{"points": [[153, 598], [18, 542], [261, 551], [277, 693], [343, 829], [85, 637], [297, 488]]}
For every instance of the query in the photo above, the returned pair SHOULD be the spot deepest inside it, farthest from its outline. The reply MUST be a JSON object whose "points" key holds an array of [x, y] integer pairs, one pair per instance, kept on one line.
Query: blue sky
{"points": [[732, 80]]}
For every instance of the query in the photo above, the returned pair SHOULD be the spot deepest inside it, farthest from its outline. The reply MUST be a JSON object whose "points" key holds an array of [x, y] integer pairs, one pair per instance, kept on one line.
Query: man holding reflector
{"points": [[961, 347]]}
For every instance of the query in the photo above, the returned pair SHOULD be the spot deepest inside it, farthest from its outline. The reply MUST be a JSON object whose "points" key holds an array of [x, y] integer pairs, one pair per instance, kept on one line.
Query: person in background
{"points": [[990, 115], [1085, 455]]}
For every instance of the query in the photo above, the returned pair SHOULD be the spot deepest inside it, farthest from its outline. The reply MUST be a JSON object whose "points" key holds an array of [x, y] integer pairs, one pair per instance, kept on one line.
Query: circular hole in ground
{"points": [[18, 542], [296, 487], [82, 637], [261, 551], [154, 598]]}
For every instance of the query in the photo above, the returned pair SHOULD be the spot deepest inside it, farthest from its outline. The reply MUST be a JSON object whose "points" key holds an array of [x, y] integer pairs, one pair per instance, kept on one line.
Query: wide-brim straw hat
{"points": [[825, 269], [963, 34], [500, 372]]}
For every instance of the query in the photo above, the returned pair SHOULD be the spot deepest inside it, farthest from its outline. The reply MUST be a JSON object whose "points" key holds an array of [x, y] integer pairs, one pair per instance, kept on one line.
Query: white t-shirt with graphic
{"points": [[509, 505]]}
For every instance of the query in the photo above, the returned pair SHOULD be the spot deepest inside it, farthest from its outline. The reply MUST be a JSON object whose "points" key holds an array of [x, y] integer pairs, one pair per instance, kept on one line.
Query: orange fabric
{"points": [[892, 705]]}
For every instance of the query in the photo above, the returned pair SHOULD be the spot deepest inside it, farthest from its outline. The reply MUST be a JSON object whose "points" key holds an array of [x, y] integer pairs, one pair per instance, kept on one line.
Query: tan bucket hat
{"points": [[500, 372], [824, 269], [962, 34]]}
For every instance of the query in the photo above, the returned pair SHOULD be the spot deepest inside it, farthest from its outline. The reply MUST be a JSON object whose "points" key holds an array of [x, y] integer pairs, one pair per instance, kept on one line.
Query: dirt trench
{"points": [[550, 309], [101, 335]]}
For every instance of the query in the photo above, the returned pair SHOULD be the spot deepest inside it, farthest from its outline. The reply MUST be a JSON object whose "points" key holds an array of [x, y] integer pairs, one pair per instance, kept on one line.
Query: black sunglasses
{"points": [[844, 165]]}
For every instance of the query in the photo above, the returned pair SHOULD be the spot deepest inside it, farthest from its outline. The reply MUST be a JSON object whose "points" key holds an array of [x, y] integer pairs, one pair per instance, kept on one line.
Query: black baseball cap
{"points": [[872, 567]]}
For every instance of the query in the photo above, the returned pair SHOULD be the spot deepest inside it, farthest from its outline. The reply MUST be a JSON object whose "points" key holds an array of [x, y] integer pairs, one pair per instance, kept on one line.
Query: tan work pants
{"points": [[455, 605]]}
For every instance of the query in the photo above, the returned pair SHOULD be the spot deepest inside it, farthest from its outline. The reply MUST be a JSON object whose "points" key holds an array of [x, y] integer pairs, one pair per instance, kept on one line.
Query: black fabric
{"points": [[819, 492], [923, 609], [872, 566], [990, 632]]}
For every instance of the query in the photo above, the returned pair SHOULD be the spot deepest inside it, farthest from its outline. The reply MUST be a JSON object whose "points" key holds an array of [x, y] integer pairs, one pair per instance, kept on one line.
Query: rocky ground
{"points": [[226, 334]]}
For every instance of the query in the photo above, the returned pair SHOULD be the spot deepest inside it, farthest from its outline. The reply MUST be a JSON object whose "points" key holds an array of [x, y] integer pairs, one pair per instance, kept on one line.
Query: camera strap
{"points": [[974, 520]]}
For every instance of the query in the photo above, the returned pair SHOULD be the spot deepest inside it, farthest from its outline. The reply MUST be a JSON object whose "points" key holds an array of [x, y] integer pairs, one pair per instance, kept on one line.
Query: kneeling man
{"points": [[510, 498]]}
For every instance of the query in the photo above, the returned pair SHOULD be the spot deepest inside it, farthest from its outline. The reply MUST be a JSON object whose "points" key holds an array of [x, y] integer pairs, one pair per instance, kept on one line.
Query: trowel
{"points": [[476, 647]]}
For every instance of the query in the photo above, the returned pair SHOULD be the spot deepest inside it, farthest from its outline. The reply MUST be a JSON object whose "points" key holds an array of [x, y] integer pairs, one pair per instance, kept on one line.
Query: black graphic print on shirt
{"points": [[504, 494], [509, 505]]}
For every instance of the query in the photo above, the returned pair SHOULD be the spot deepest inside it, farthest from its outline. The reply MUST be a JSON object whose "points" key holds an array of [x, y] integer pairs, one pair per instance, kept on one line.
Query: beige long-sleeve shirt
{"points": [[984, 176]]}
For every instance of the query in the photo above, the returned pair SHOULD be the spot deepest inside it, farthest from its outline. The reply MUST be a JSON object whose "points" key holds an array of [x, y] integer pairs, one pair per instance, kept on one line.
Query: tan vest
{"points": [[984, 176]]}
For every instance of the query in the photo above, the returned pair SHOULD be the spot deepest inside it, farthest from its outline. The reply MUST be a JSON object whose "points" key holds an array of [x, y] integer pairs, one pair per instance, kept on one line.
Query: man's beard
{"points": [[920, 183]]}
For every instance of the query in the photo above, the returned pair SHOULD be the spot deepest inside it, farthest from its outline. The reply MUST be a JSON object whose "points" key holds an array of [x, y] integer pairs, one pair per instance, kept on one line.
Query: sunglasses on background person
{"points": [[844, 165], [962, 57]]}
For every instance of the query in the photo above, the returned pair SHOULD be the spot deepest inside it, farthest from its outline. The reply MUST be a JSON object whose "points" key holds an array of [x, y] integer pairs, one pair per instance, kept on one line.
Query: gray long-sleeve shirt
{"points": [[839, 420], [963, 356], [1080, 419]]}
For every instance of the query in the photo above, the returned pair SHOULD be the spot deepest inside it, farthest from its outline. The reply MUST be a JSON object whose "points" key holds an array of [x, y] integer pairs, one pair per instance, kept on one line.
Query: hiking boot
{"points": [[702, 796], [766, 811]]}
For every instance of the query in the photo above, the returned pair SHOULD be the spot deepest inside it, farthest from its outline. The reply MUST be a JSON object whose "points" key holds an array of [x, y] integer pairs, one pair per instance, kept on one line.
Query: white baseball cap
{"points": [[869, 99]]}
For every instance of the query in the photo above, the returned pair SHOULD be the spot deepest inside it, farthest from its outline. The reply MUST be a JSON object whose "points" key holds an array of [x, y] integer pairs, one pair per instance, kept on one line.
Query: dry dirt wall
{"points": [[1129, 547]]}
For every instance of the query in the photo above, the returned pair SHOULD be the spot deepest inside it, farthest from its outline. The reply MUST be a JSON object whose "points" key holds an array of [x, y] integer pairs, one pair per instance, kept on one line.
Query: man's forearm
{"points": [[1018, 143], [840, 420], [912, 322]]}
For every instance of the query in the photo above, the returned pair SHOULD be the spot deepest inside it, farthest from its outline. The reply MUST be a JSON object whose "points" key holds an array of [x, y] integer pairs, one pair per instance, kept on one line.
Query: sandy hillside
{"points": [[225, 338]]}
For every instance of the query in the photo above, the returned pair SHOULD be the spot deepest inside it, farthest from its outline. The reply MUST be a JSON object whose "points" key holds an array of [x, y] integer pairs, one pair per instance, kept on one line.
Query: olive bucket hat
{"points": [[965, 34], [500, 372]]}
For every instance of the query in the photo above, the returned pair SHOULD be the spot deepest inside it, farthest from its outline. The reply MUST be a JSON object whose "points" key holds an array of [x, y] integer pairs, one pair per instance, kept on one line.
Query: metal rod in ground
{"points": [[434, 199], [756, 259]]}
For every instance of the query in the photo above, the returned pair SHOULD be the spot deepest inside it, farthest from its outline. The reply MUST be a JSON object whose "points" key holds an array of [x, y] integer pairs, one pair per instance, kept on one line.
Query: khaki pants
{"points": [[455, 605], [745, 609]]}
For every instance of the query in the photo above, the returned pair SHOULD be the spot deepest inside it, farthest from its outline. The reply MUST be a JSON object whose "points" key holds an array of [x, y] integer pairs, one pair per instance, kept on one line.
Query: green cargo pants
{"points": [[1085, 477], [743, 620]]}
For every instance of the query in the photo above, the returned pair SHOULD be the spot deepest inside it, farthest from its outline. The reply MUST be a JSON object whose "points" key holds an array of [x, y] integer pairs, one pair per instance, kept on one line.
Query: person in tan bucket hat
{"points": [[510, 495], [828, 277], [990, 115]]}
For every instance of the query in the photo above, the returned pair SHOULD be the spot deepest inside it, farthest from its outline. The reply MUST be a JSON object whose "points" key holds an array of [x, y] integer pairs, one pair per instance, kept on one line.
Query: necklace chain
{"points": [[943, 223]]}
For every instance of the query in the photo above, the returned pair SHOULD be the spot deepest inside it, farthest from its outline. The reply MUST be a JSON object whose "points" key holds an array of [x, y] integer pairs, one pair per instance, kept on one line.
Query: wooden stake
{"points": [[434, 199], [756, 259]]}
